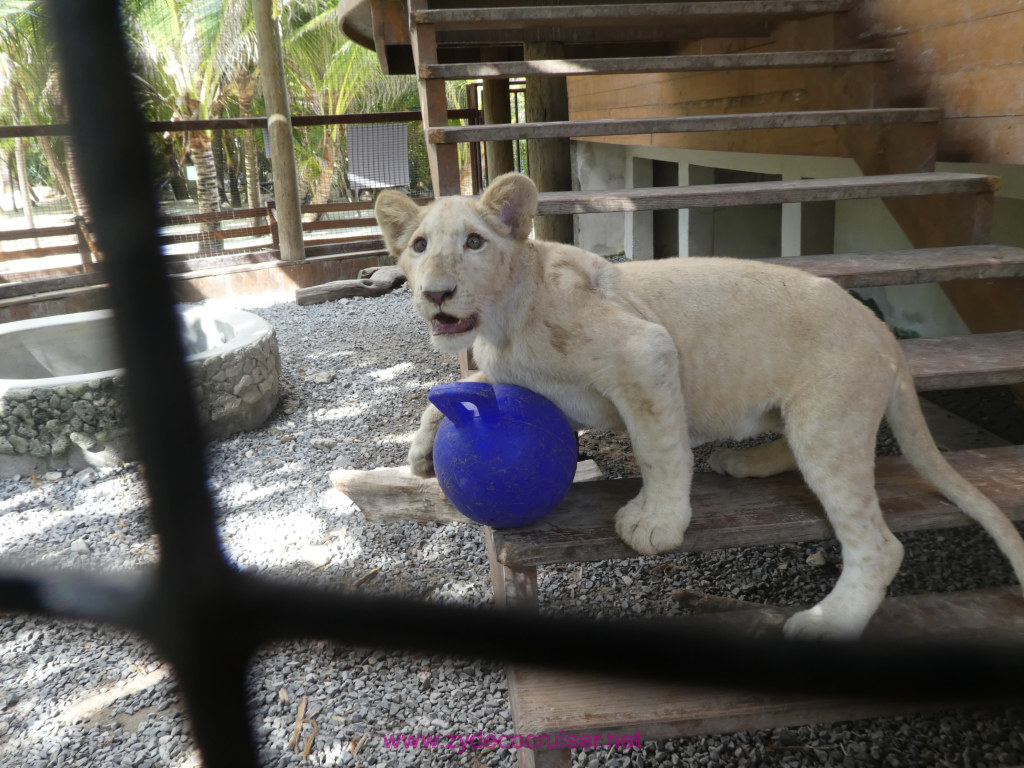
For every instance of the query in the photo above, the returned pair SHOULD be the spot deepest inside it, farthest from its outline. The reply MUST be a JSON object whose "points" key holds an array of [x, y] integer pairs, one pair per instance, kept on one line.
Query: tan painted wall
{"points": [[966, 58]]}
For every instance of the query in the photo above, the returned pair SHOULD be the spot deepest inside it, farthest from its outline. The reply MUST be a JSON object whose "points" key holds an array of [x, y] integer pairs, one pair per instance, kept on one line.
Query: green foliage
{"points": [[197, 59]]}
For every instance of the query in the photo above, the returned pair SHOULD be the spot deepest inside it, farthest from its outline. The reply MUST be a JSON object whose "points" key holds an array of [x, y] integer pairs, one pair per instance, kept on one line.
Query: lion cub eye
{"points": [[419, 244], [475, 242]]}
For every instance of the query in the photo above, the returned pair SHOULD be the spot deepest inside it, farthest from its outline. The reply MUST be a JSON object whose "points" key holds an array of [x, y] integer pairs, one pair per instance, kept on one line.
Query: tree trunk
{"points": [[201, 148], [231, 158], [73, 179], [220, 165], [23, 185], [250, 153], [5, 176], [58, 173], [322, 191], [346, 190]]}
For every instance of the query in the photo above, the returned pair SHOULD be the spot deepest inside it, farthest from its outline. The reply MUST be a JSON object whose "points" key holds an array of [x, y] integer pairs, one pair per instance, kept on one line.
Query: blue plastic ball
{"points": [[504, 456]]}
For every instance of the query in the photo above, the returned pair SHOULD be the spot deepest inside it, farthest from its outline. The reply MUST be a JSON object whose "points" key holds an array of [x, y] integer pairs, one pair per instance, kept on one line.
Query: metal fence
{"points": [[206, 618]]}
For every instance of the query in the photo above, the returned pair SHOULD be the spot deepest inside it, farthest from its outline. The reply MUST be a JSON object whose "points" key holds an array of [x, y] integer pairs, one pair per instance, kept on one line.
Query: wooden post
{"points": [[548, 100], [474, 148], [279, 125], [86, 248], [497, 110], [275, 238], [443, 158]]}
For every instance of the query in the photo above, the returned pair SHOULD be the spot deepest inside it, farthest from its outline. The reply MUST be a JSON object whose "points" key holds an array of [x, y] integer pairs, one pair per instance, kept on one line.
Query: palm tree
{"points": [[330, 74], [29, 87], [187, 50], [17, 54]]}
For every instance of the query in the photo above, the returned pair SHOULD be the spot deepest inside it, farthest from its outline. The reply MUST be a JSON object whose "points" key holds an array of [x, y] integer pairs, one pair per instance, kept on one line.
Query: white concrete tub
{"points": [[61, 383]]}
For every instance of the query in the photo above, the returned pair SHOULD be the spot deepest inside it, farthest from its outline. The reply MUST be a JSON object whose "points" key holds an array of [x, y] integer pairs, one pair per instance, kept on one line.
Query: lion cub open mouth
{"points": [[446, 325]]}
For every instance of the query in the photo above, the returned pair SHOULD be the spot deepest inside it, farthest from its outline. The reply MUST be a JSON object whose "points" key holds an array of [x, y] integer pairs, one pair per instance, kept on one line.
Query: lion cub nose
{"points": [[439, 297]]}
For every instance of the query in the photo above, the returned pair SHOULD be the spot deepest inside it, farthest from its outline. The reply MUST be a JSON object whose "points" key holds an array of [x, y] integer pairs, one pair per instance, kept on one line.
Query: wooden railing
{"points": [[75, 238]]}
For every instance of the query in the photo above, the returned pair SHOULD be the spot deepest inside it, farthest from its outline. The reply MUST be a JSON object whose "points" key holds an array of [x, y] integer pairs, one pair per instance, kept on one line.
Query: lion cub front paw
{"points": [[650, 527], [421, 458]]}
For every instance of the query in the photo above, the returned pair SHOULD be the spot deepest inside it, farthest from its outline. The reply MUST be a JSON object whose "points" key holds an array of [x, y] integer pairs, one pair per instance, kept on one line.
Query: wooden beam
{"points": [[923, 265], [742, 513], [611, 14], [395, 493], [564, 703], [375, 281], [651, 64], [688, 124], [443, 160], [932, 185]]}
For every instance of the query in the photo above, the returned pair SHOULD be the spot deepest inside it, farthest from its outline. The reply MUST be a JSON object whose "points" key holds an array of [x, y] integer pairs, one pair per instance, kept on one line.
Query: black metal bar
{"points": [[207, 618], [176, 608], [243, 611]]}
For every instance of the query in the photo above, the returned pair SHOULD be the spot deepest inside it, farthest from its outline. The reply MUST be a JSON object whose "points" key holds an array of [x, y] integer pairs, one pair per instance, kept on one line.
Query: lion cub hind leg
{"points": [[760, 461], [841, 474]]}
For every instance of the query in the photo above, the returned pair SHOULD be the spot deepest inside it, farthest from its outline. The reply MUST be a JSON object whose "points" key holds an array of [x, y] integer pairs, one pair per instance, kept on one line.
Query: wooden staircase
{"points": [[948, 215]]}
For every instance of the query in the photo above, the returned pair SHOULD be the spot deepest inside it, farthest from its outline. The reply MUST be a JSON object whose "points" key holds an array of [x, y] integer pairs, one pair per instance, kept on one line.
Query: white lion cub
{"points": [[680, 352]]}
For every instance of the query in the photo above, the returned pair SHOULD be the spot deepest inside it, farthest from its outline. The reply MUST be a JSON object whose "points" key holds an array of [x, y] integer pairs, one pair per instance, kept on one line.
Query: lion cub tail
{"points": [[911, 431]]}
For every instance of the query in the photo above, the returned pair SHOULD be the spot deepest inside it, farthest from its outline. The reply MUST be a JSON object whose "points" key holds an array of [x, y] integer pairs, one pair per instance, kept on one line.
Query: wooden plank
{"points": [[649, 64], [35, 253], [924, 265], [635, 33], [556, 702], [379, 281], [611, 14], [756, 193], [687, 124], [394, 493], [979, 360], [742, 513]]}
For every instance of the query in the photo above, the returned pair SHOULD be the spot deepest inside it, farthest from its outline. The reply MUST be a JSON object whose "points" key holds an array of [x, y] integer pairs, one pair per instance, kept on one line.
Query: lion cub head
{"points": [[460, 256]]}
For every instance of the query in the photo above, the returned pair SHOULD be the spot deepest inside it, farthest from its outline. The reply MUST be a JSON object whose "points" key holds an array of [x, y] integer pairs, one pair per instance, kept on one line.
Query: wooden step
{"points": [[616, 14], [551, 702], [745, 513], [957, 362], [766, 192], [647, 64], [924, 265], [688, 124]]}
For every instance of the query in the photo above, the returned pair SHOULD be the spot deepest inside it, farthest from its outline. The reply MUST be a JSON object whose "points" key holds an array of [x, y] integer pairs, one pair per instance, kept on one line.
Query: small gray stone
{"points": [[80, 547], [818, 559], [323, 377]]}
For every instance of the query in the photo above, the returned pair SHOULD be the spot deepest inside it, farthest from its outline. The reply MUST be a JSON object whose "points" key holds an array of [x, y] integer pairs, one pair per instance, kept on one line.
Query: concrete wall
{"points": [[599, 166]]}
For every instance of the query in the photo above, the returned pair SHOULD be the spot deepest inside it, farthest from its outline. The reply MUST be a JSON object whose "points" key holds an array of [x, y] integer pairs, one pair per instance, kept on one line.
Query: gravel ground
{"points": [[354, 377]]}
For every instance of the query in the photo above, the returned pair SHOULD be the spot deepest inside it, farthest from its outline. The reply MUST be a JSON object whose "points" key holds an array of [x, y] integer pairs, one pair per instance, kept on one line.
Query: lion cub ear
{"points": [[512, 200], [398, 217]]}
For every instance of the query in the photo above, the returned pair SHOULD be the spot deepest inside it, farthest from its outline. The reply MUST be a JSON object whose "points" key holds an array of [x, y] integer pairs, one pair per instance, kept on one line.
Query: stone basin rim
{"points": [[247, 328]]}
